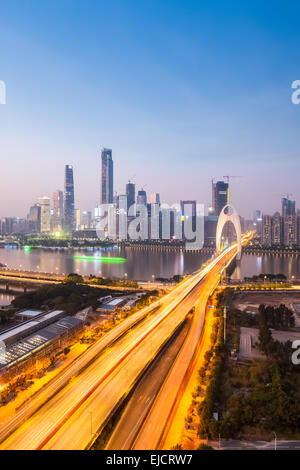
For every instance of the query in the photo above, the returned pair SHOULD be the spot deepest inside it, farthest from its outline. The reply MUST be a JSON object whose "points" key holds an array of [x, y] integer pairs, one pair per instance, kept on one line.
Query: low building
{"points": [[15, 333], [37, 342]]}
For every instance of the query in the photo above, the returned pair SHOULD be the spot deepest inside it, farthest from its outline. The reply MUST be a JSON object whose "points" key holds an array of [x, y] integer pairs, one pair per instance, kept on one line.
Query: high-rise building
{"points": [[141, 197], [7, 225], [44, 203], [267, 230], [107, 177], [69, 207], [219, 196], [276, 229], [289, 221], [155, 198], [290, 230], [257, 221], [77, 219], [130, 193], [58, 210], [288, 207], [86, 219], [34, 219]]}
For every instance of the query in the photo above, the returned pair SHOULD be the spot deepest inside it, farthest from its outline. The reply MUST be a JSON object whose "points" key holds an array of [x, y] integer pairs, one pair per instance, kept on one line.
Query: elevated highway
{"points": [[71, 414]]}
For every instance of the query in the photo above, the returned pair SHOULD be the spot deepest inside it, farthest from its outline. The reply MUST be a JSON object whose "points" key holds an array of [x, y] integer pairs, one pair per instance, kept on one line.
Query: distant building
{"points": [[155, 198], [69, 204], [210, 230], [58, 210], [257, 221], [288, 207], [77, 219], [290, 230], [34, 219], [44, 203], [130, 193], [86, 220], [141, 197], [276, 229], [107, 177], [219, 196], [267, 230], [7, 225]]}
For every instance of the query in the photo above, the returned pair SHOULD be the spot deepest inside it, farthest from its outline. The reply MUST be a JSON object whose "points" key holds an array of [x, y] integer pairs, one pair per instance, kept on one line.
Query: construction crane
{"points": [[228, 177], [131, 178]]}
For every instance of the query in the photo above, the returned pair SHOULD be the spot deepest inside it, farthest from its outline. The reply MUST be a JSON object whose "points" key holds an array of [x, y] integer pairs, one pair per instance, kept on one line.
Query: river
{"points": [[138, 263]]}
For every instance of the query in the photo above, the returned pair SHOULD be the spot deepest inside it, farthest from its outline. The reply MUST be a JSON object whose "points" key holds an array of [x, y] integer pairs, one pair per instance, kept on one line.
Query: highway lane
{"points": [[145, 392], [158, 423]]}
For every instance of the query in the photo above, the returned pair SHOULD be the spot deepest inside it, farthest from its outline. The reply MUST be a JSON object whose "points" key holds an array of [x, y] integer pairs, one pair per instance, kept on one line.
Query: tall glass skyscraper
{"points": [[219, 196], [58, 210], [130, 192], [69, 208], [107, 177]]}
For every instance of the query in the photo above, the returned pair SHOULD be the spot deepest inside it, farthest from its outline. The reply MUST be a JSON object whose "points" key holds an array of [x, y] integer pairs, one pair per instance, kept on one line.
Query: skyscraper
{"points": [[267, 230], [58, 210], [289, 221], [276, 229], [219, 196], [69, 208], [130, 193], [44, 203], [141, 197], [34, 219], [155, 198], [107, 177], [288, 207]]}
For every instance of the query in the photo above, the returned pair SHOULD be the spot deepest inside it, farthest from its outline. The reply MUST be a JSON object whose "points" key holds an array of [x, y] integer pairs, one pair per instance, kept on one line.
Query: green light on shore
{"points": [[27, 248], [101, 259]]}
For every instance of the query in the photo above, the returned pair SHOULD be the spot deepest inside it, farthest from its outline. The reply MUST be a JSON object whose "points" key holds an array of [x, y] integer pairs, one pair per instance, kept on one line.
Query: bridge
{"points": [[69, 415]]}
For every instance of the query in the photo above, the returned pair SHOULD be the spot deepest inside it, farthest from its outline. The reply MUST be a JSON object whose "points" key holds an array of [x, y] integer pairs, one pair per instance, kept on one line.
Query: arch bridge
{"points": [[229, 214]]}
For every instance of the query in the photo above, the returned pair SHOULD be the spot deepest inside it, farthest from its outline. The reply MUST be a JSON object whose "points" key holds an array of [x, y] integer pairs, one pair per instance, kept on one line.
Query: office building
{"points": [[267, 230], [44, 203], [130, 193], [219, 196], [141, 197], [276, 229], [107, 177], [69, 207], [34, 219], [58, 210], [288, 207], [155, 198]]}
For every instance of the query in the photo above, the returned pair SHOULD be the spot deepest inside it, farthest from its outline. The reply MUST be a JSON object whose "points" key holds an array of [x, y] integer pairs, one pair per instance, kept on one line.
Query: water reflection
{"points": [[141, 264]]}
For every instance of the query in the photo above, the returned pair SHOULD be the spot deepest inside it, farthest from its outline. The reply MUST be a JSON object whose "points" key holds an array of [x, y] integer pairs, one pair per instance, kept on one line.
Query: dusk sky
{"points": [[182, 91]]}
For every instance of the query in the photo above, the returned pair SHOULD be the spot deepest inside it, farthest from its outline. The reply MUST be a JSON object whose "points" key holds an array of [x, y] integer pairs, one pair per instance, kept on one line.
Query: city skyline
{"points": [[184, 95]]}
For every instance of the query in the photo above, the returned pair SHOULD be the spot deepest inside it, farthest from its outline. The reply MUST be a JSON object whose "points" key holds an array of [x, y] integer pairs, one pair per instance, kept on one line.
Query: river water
{"points": [[140, 263]]}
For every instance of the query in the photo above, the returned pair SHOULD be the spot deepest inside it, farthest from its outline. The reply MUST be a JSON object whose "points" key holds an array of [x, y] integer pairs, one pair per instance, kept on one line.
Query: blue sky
{"points": [[180, 90]]}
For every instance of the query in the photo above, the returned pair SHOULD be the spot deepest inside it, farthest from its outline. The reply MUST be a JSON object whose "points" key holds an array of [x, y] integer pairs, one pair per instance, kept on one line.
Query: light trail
{"points": [[135, 350]]}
